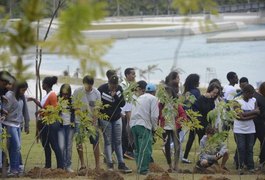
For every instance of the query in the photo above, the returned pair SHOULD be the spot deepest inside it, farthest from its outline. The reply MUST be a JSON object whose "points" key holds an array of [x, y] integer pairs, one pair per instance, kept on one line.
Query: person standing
{"points": [[143, 123], [191, 85], [230, 90], [16, 113], [88, 95], [172, 128], [66, 132], [111, 95], [49, 133], [259, 122], [244, 129], [127, 146]]}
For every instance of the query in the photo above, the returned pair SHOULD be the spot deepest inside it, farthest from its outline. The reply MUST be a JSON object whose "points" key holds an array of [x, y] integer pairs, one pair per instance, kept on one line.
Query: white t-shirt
{"points": [[229, 92], [245, 127]]}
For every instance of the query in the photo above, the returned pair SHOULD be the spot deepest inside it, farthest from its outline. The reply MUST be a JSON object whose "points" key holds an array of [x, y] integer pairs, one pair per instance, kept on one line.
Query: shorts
{"points": [[93, 139]]}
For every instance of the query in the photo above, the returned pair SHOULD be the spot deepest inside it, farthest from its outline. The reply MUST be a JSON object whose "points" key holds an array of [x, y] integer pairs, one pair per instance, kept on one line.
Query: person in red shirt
{"points": [[172, 127]]}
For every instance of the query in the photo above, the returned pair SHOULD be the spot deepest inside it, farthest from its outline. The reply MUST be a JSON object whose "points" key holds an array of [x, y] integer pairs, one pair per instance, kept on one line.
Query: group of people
{"points": [[131, 123]]}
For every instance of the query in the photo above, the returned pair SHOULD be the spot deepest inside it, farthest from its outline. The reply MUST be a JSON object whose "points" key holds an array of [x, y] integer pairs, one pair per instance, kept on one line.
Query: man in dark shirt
{"points": [[111, 95]]}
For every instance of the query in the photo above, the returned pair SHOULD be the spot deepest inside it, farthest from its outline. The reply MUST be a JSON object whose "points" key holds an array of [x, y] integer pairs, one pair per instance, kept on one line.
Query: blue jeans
{"points": [[112, 136], [65, 138], [14, 147], [245, 143]]}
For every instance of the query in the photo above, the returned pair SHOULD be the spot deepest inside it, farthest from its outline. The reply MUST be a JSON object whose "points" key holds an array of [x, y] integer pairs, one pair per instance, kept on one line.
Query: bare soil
{"points": [[41, 173], [164, 176], [153, 167], [214, 178]]}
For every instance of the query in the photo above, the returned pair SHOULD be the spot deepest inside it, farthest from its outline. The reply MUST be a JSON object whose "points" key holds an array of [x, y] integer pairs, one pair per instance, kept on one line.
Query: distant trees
{"points": [[120, 7]]}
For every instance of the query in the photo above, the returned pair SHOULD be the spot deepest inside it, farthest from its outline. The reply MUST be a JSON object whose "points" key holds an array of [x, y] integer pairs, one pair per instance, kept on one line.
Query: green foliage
{"points": [[215, 142], [193, 123], [3, 143], [87, 117], [19, 36], [70, 40], [129, 91], [186, 7], [170, 110], [51, 114], [226, 111]]}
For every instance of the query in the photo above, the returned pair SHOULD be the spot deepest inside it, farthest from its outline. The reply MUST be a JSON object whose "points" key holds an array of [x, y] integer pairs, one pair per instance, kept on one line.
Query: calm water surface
{"points": [[195, 56]]}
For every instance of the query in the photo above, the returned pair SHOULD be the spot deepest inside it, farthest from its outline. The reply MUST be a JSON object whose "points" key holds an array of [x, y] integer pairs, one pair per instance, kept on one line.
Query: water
{"points": [[195, 56]]}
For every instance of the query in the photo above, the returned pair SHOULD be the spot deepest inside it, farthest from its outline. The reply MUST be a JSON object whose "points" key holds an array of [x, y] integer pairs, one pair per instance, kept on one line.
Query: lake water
{"points": [[195, 56]]}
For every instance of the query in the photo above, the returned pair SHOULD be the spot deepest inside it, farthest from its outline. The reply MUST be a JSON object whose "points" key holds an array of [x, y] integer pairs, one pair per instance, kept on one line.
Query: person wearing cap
{"points": [[143, 122], [111, 95]]}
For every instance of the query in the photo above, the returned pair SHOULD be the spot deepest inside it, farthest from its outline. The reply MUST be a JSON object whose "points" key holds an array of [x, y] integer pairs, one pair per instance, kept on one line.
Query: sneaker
{"points": [[110, 167], [12, 174], [68, 169], [129, 155], [186, 161], [123, 168]]}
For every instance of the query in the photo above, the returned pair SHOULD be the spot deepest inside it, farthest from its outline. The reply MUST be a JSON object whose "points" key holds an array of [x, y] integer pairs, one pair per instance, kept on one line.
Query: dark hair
{"points": [[230, 75], [215, 81], [248, 89], [213, 86], [114, 80], [66, 87], [170, 91], [262, 88], [88, 80], [110, 73], [243, 80], [172, 75], [142, 84], [191, 82], [128, 71], [50, 81], [210, 130], [19, 86]]}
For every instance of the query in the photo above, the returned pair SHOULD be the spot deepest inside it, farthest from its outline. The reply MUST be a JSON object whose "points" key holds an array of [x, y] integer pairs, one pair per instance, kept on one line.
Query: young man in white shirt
{"points": [[143, 122]]}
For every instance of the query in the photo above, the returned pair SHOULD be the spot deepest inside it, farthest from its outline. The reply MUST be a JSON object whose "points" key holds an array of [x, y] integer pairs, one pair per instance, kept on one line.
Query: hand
{"points": [[27, 131], [257, 111], [31, 99]]}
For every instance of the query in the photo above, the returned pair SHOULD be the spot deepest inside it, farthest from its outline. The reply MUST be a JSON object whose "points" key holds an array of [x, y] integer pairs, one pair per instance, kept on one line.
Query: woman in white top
{"points": [[244, 128]]}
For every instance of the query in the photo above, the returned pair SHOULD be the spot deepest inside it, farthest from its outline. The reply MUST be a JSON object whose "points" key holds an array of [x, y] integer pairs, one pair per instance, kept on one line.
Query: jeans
{"points": [[49, 139], [14, 147], [112, 131], [65, 138], [245, 143], [143, 147]]}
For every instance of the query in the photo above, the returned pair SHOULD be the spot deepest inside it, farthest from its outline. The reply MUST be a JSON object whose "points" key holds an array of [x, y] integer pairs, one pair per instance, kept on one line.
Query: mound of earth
{"points": [[164, 176], [109, 175], [214, 169], [214, 178], [153, 167], [38, 173]]}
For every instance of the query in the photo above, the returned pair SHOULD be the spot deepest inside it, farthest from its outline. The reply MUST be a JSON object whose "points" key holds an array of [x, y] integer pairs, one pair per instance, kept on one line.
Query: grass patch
{"points": [[36, 157]]}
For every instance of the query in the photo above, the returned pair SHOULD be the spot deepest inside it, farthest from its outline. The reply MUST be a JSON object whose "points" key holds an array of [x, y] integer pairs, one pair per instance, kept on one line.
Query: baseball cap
{"points": [[150, 87]]}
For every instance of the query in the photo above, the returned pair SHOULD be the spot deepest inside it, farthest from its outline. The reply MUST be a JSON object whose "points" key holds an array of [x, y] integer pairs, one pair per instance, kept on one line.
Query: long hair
{"points": [[191, 82], [19, 86]]}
